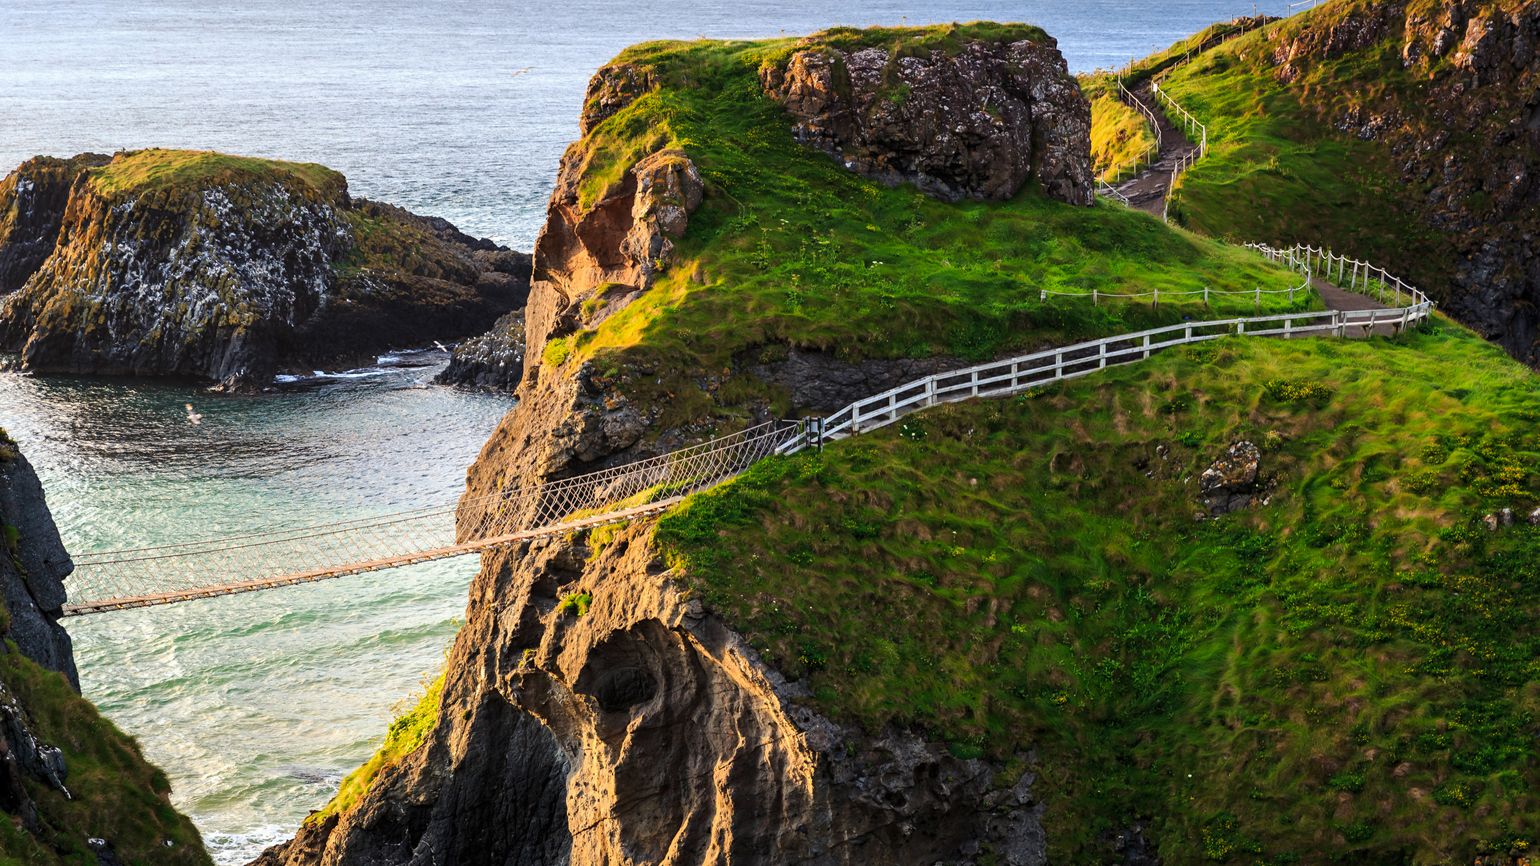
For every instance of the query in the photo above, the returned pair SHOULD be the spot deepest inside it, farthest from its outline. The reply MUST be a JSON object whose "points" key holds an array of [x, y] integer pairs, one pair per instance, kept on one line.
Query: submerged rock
{"points": [[976, 122], [228, 269]]}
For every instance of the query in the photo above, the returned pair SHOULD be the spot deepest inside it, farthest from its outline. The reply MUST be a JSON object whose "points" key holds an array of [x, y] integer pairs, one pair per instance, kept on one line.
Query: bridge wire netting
{"points": [[182, 571]]}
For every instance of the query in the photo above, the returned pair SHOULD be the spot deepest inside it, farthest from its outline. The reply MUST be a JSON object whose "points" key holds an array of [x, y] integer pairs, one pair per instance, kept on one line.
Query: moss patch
{"points": [[1345, 672]]}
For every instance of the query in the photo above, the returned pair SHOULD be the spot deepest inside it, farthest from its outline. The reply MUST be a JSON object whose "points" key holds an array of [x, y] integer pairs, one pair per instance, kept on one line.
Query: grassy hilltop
{"points": [[789, 248]]}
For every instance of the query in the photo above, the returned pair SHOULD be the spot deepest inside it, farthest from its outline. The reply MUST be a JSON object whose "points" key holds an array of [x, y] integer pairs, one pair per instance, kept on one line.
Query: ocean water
{"points": [[257, 705]]}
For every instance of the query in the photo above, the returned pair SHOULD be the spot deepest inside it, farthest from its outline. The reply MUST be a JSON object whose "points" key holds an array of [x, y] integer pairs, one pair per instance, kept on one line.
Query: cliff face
{"points": [[74, 787], [593, 711], [227, 269]]}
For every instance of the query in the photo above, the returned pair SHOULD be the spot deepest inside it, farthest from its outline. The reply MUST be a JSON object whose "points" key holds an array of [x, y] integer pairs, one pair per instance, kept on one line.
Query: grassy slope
{"points": [[409, 730], [1346, 672], [789, 248], [1120, 136], [1277, 170], [117, 794]]}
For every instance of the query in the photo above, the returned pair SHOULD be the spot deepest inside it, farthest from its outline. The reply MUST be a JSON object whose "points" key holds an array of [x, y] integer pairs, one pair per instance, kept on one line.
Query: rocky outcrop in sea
{"points": [[227, 269]]}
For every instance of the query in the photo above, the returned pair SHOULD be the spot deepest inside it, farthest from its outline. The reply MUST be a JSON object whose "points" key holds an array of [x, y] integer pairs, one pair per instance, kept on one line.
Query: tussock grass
{"points": [[139, 171]]}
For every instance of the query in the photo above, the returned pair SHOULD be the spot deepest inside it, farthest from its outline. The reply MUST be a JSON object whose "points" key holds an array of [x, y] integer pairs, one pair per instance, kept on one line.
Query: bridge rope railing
{"points": [[183, 571], [163, 574]]}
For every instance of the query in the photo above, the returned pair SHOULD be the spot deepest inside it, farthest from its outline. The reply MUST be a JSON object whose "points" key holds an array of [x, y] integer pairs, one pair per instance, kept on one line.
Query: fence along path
{"points": [[230, 564]]}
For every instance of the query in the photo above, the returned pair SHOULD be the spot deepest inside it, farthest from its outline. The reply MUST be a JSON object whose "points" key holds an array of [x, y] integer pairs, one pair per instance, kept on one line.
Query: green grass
{"points": [[409, 731], [1277, 170], [1120, 136], [115, 793], [790, 249], [140, 171], [1346, 673]]}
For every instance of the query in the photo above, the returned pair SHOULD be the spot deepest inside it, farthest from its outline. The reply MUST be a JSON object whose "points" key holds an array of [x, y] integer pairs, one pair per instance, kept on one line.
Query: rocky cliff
{"points": [[593, 711], [74, 788], [226, 269], [1406, 132]]}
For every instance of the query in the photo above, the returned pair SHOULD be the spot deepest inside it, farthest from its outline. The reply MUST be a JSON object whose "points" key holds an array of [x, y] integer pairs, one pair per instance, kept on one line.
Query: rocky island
{"points": [[228, 269]]}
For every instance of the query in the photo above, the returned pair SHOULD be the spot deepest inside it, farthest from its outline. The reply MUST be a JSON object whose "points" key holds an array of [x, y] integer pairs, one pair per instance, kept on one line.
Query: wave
{"points": [[232, 849]]}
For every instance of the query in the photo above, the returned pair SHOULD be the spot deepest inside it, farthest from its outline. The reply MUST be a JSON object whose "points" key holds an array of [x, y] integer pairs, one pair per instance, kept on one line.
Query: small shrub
{"points": [[1347, 781], [1296, 390]]}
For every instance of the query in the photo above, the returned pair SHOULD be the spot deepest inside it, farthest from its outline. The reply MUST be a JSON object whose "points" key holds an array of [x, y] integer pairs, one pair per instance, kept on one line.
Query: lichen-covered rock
{"points": [[229, 269], [978, 123], [32, 201], [493, 361], [612, 89]]}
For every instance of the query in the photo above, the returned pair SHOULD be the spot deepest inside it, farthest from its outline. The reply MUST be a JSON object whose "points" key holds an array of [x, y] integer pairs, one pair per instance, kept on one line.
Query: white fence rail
{"points": [[1016, 375]]}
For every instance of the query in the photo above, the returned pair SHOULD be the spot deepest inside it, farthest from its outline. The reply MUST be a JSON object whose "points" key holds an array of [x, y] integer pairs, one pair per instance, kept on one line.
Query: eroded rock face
{"points": [[608, 251], [979, 124], [645, 731], [32, 202], [33, 565], [233, 277]]}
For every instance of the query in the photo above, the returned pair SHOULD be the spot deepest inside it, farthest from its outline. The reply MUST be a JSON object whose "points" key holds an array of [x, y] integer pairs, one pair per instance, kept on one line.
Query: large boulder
{"points": [[228, 269], [976, 122]]}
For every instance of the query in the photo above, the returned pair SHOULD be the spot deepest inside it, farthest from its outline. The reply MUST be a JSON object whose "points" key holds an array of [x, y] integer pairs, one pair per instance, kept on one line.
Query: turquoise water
{"points": [[256, 705]]}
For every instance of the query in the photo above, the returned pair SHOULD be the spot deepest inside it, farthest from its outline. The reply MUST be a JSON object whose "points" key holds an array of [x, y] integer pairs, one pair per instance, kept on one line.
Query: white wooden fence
{"points": [[1025, 372]]}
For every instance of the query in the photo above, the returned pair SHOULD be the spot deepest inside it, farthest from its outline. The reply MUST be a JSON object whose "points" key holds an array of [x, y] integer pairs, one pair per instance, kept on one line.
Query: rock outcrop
{"points": [[978, 123], [33, 566], [1231, 482], [642, 728], [493, 361], [228, 269], [1464, 128], [119, 802]]}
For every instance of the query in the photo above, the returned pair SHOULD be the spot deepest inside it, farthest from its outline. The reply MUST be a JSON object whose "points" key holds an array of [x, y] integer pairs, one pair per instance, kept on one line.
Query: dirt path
{"points": [[1337, 298], [1147, 190]]}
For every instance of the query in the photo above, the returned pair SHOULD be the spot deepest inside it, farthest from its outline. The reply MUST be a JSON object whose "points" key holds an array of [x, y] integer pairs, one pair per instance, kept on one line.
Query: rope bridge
{"points": [[168, 574]]}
